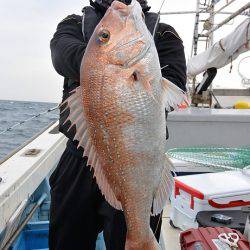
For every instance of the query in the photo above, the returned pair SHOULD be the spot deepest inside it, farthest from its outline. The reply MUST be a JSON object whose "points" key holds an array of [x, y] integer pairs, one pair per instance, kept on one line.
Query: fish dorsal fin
{"points": [[164, 189], [77, 118], [172, 95]]}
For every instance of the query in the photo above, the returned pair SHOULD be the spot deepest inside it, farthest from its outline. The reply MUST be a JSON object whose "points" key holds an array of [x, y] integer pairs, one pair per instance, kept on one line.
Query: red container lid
{"points": [[207, 239]]}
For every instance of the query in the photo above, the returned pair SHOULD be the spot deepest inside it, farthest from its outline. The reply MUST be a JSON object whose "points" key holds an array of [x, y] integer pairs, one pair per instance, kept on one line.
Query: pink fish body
{"points": [[119, 114]]}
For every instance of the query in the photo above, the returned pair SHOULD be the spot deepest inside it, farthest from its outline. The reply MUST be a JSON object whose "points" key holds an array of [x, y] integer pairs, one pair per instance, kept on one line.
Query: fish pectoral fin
{"points": [[76, 115], [172, 95], [77, 118], [164, 189]]}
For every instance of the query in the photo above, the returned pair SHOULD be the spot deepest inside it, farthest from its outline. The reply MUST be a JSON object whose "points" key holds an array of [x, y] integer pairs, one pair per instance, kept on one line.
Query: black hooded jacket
{"points": [[70, 41]]}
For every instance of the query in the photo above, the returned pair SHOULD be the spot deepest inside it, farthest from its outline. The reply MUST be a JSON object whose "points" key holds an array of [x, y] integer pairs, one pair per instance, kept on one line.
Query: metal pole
{"points": [[223, 7], [247, 6], [18, 231], [211, 20], [210, 40], [196, 31], [194, 12]]}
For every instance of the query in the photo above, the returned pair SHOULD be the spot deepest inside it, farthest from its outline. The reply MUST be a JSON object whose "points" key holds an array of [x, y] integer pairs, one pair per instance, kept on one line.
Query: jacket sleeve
{"points": [[68, 46], [171, 54]]}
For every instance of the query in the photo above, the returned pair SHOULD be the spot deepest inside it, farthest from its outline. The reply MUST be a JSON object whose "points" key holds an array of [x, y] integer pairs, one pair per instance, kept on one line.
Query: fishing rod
{"points": [[29, 119], [158, 18]]}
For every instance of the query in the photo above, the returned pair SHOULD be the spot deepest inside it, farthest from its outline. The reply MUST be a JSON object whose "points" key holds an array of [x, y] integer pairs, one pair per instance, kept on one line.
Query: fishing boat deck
{"points": [[169, 235]]}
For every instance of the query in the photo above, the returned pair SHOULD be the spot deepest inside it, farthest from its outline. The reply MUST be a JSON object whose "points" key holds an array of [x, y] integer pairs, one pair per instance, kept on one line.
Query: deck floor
{"points": [[169, 234]]}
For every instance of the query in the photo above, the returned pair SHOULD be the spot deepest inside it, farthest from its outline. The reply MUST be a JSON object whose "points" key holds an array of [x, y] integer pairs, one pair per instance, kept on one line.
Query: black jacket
{"points": [[68, 46]]}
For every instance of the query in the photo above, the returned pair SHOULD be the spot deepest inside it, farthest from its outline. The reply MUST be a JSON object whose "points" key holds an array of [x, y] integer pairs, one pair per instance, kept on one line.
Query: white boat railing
{"points": [[24, 171]]}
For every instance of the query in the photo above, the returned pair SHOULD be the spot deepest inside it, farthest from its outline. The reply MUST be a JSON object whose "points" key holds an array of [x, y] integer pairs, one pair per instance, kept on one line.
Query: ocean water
{"points": [[12, 112]]}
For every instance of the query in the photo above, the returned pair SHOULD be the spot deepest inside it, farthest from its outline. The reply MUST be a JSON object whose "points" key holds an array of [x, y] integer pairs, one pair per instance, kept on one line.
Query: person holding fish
{"points": [[120, 82]]}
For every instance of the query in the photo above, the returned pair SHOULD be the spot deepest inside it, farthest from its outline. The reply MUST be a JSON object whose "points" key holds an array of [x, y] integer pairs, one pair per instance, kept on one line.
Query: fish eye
{"points": [[104, 36]]}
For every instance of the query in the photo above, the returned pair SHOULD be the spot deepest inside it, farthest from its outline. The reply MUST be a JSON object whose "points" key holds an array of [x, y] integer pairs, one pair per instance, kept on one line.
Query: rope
{"points": [[27, 120]]}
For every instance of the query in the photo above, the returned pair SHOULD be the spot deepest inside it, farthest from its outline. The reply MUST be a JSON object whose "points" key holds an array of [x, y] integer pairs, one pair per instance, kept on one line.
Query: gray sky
{"points": [[26, 28]]}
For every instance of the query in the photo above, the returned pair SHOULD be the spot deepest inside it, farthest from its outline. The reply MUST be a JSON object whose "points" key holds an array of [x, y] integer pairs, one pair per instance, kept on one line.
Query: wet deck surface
{"points": [[171, 235]]}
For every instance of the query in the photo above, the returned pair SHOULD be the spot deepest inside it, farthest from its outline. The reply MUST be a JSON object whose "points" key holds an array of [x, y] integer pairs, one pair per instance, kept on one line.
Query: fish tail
{"points": [[150, 244]]}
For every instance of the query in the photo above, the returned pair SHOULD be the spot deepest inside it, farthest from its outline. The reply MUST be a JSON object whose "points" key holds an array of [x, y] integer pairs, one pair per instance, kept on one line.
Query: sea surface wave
{"points": [[12, 112]]}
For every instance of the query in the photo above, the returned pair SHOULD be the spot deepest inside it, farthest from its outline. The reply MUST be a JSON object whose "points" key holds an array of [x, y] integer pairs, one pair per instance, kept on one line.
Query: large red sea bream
{"points": [[119, 114]]}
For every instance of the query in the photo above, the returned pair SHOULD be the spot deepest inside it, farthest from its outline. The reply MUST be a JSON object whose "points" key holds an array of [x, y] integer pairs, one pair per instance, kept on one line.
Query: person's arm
{"points": [[171, 54], [67, 47]]}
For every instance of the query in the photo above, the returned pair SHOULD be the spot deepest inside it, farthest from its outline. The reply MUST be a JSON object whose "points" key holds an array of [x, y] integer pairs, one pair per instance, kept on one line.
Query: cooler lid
{"points": [[215, 185]]}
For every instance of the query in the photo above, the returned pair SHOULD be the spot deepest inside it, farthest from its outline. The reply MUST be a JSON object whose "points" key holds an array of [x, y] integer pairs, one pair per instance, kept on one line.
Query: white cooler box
{"points": [[205, 192]]}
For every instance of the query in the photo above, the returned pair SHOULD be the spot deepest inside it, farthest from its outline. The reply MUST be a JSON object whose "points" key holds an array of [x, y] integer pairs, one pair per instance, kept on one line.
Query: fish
{"points": [[119, 115]]}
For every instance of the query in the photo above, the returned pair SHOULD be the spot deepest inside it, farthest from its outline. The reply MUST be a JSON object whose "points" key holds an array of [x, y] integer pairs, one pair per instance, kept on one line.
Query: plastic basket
{"points": [[33, 237]]}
